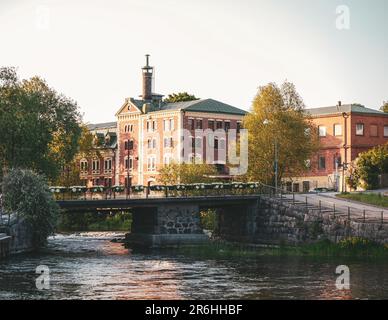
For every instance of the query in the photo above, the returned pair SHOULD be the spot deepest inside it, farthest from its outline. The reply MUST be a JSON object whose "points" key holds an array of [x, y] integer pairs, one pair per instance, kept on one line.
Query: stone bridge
{"points": [[242, 218]]}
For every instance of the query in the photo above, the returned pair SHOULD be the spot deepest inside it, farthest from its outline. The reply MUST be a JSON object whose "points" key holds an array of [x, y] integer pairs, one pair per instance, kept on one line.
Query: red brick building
{"points": [[344, 132], [150, 133]]}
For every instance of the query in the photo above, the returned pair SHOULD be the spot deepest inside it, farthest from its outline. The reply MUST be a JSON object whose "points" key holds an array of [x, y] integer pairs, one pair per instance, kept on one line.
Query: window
{"points": [[128, 145], [154, 143], [198, 142], [108, 182], [210, 124], [374, 130], [130, 163], [151, 163], [108, 164], [149, 143], [215, 143], [322, 131], [337, 161], [219, 124], [84, 165], [151, 125], [222, 144], [166, 125], [227, 125], [191, 124], [238, 127], [337, 130], [322, 162], [198, 124], [96, 165], [168, 142], [128, 128], [167, 159], [359, 129], [171, 124], [385, 131]]}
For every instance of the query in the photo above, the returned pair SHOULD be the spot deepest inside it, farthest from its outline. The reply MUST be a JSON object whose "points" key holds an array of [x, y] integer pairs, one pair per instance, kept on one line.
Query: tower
{"points": [[147, 80]]}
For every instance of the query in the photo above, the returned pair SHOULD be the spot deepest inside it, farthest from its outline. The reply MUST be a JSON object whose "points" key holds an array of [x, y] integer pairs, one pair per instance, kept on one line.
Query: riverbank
{"points": [[351, 247]]}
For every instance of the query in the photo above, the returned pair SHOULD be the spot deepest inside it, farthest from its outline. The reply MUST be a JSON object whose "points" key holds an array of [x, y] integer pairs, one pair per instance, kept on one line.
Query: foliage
{"points": [[376, 199], [209, 219], [185, 173], [180, 97], [39, 127], [27, 194], [368, 166], [277, 117], [384, 107], [70, 173], [90, 221]]}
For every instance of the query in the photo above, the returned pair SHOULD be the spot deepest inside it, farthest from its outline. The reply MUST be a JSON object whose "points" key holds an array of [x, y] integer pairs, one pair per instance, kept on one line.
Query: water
{"points": [[89, 266]]}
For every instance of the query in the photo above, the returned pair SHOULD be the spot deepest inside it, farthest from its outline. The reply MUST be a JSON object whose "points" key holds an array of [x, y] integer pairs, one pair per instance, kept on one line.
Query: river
{"points": [[90, 266]]}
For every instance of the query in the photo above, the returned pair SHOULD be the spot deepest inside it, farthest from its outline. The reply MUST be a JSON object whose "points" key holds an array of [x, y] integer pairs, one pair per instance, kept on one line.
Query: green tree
{"points": [[179, 97], [186, 173], [277, 118], [70, 172], [368, 166], [27, 195], [384, 107], [40, 128]]}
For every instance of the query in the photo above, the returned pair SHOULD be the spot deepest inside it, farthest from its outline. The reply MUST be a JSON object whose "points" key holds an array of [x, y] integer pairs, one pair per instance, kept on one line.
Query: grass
{"points": [[350, 247], [376, 199]]}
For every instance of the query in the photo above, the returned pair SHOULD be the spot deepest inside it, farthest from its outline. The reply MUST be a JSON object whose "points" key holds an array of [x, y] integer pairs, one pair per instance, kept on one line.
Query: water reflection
{"points": [[89, 266]]}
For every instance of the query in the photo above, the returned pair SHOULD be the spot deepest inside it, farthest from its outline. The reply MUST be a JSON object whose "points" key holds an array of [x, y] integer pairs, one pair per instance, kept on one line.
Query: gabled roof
{"points": [[101, 126], [348, 108]]}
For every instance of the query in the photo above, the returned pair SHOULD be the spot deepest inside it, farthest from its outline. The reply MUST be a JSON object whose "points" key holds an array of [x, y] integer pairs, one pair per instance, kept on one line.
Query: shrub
{"points": [[27, 194]]}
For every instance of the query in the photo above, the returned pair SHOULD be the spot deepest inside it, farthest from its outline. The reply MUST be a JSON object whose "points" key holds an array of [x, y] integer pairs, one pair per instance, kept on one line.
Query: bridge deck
{"points": [[117, 204]]}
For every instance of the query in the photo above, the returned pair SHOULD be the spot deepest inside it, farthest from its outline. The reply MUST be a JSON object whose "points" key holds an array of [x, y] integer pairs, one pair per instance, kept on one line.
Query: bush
{"points": [[27, 194]]}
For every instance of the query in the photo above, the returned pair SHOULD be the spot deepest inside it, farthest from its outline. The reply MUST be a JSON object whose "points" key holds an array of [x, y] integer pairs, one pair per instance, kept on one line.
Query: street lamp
{"points": [[267, 122], [346, 147]]}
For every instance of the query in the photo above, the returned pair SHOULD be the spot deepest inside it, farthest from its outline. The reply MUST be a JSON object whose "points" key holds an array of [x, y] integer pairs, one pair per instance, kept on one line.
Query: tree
{"points": [[368, 166], [384, 107], [179, 97], [26, 194], [186, 173], [277, 118], [70, 173], [39, 127]]}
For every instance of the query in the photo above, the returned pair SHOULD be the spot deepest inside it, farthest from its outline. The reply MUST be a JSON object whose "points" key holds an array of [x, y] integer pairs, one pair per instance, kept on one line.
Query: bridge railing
{"points": [[326, 206]]}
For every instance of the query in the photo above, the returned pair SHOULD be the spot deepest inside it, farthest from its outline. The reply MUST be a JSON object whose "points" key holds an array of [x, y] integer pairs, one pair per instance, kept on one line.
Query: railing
{"points": [[335, 209], [323, 207]]}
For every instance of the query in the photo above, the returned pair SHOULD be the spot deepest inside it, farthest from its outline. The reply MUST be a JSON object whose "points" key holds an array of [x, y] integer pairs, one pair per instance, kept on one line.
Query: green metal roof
{"points": [[204, 105], [348, 108]]}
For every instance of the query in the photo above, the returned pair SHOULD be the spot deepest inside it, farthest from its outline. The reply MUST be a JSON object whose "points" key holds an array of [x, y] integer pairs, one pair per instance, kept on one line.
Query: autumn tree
{"points": [[277, 118], [384, 107], [39, 127], [186, 173], [179, 97]]}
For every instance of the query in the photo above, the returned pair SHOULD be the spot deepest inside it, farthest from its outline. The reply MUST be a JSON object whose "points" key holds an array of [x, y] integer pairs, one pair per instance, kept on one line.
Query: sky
{"points": [[93, 50]]}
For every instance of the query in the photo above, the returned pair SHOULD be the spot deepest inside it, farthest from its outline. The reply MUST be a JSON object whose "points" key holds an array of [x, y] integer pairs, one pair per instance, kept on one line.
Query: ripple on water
{"points": [[89, 266]]}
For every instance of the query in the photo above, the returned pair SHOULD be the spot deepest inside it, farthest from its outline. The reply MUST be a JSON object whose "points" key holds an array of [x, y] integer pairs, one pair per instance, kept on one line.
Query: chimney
{"points": [[147, 80]]}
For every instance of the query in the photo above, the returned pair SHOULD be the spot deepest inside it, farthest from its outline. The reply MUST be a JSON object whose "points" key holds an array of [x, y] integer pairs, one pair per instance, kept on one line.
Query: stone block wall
{"points": [[283, 222], [178, 219]]}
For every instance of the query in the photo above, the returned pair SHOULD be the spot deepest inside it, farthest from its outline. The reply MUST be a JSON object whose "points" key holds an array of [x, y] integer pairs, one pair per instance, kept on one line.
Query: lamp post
{"points": [[346, 147], [276, 156]]}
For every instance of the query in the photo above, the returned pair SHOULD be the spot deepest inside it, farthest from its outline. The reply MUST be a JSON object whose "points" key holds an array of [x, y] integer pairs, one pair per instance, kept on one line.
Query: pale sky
{"points": [[92, 50]]}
